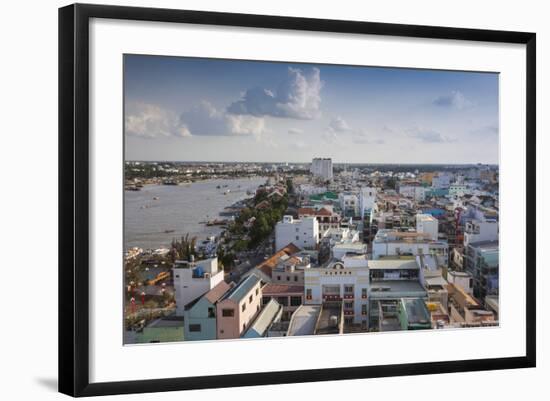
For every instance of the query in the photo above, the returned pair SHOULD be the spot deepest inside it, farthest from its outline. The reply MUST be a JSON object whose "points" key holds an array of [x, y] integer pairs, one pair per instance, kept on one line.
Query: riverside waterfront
{"points": [[158, 213]]}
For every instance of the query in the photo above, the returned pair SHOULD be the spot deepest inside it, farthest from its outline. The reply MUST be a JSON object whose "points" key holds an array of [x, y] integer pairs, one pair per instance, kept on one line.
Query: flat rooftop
{"points": [[381, 264], [396, 289], [168, 321], [303, 320], [417, 313], [324, 324]]}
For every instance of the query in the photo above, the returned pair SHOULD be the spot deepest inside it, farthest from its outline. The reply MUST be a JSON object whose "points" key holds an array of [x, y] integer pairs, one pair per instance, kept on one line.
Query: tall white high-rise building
{"points": [[322, 168]]}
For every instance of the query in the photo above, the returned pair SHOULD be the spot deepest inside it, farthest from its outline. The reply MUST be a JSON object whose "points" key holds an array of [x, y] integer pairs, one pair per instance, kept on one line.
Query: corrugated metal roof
{"points": [[264, 319], [243, 288]]}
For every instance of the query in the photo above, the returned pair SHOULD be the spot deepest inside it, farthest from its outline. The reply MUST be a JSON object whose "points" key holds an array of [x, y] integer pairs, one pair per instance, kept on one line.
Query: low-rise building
{"points": [[466, 310], [395, 243], [304, 320], [304, 233], [461, 279], [193, 279], [481, 260], [165, 329], [344, 282], [480, 231], [238, 308], [427, 224], [325, 215], [200, 315], [269, 315], [290, 297]]}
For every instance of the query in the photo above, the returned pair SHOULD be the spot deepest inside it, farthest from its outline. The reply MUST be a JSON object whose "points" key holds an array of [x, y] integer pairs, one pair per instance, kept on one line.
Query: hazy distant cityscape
{"points": [[308, 199]]}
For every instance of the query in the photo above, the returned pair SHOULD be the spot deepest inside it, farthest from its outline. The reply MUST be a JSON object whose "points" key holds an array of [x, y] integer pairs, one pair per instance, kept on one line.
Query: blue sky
{"points": [[179, 108]]}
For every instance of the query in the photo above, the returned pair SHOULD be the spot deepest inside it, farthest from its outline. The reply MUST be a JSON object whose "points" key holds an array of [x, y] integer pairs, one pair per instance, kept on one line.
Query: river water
{"points": [[180, 208]]}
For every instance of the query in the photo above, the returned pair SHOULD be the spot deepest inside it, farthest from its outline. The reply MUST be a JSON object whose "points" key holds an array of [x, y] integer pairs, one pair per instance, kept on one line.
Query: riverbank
{"points": [[158, 213]]}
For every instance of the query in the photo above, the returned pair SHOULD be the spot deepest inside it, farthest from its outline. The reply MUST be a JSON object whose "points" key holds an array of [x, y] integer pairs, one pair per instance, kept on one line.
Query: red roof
{"points": [[324, 212], [217, 292], [267, 265], [280, 289], [308, 211], [263, 204]]}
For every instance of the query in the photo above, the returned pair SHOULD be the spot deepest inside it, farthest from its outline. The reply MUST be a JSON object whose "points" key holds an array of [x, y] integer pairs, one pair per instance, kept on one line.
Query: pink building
{"points": [[238, 308]]}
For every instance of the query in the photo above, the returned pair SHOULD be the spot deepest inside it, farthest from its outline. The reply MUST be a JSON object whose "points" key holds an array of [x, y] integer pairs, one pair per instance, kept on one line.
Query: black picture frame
{"points": [[74, 198]]}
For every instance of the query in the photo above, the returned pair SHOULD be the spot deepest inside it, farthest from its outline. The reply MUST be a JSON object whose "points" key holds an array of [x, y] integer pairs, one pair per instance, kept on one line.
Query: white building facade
{"points": [[367, 200], [322, 168], [395, 243], [304, 233], [478, 230], [415, 192], [345, 281], [194, 279], [426, 223], [349, 204]]}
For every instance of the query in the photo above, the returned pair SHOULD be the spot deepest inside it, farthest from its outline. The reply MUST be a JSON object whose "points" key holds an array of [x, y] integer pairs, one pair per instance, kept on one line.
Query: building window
{"points": [[243, 308], [228, 312], [278, 278], [363, 292], [295, 301], [297, 238], [295, 278], [348, 289], [287, 278], [283, 301], [194, 328], [364, 309], [250, 299], [257, 291], [211, 312], [308, 293]]}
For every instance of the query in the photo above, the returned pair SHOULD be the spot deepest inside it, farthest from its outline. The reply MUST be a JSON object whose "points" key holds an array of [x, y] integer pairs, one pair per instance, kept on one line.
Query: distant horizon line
{"points": [[309, 162]]}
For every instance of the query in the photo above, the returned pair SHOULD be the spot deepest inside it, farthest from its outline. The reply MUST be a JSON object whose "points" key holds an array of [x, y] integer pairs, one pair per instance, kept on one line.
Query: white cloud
{"points": [[295, 131], [205, 119], [298, 96], [454, 100], [150, 121], [429, 136], [363, 138], [338, 124], [330, 137]]}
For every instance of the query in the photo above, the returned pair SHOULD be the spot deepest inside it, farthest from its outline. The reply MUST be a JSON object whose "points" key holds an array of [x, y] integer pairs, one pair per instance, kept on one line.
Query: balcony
{"points": [[332, 297], [348, 295]]}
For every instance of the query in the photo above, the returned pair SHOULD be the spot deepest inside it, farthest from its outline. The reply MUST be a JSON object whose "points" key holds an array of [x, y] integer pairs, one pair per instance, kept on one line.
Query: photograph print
{"points": [[278, 199]]}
